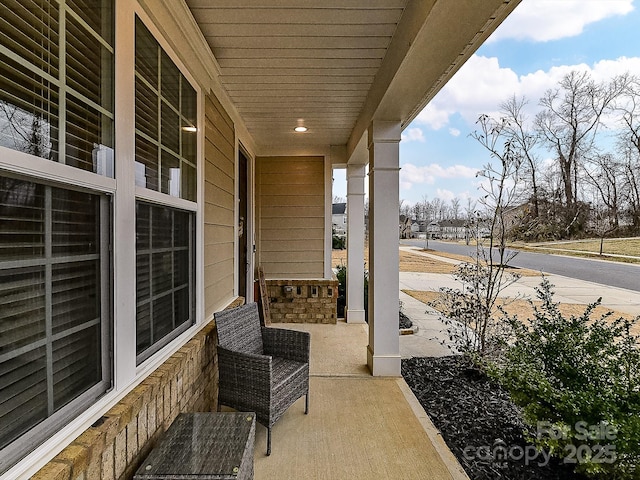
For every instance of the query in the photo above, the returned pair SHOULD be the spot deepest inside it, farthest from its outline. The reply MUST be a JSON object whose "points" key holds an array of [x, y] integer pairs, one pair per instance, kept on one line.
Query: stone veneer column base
{"points": [[303, 301]]}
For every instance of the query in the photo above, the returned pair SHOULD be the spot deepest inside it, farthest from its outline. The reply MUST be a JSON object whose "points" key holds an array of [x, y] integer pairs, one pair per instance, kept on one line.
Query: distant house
{"points": [[453, 229], [432, 229], [404, 226], [339, 218]]}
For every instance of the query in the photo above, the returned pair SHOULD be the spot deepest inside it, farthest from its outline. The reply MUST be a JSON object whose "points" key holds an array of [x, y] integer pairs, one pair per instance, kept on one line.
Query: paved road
{"points": [[614, 274]]}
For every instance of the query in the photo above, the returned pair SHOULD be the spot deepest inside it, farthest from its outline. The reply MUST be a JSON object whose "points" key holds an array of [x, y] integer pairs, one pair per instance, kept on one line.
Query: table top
{"points": [[200, 446]]}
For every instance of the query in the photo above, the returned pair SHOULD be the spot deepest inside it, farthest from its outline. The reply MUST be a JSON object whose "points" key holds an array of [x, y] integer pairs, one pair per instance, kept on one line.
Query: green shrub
{"points": [[341, 275], [577, 380], [338, 242]]}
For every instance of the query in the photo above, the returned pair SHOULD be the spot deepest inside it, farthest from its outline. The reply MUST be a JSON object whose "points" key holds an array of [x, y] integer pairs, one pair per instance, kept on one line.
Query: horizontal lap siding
{"points": [[290, 209], [219, 213]]}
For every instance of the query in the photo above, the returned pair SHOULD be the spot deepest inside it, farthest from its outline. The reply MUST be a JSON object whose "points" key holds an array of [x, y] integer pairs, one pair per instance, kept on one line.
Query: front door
{"points": [[243, 225]]}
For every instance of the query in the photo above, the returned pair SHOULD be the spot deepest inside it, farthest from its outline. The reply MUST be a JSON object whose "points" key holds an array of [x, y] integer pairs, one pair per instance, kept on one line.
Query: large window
{"points": [[56, 63], [165, 161], [56, 105], [164, 273], [55, 306], [61, 220], [166, 106]]}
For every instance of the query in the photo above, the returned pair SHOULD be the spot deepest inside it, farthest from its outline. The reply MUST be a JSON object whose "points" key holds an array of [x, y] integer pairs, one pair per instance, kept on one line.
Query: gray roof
{"points": [[338, 209]]}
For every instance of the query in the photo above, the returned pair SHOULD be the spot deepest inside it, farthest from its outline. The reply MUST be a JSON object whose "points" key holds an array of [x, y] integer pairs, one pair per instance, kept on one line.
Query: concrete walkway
{"points": [[358, 426], [427, 340]]}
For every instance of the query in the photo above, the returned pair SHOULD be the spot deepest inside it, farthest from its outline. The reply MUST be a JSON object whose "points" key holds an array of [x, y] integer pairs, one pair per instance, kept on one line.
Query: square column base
{"points": [[354, 316], [383, 365]]}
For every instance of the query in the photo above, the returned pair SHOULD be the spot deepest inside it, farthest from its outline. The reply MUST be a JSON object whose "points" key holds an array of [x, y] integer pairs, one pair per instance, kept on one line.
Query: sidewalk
{"points": [[426, 341]]}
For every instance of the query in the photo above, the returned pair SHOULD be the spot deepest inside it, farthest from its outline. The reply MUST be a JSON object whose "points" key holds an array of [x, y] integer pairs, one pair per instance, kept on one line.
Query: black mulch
{"points": [[404, 321], [475, 416]]}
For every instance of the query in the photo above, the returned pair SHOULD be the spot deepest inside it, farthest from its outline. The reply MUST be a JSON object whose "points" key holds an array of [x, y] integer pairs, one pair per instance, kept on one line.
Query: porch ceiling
{"points": [[335, 65]]}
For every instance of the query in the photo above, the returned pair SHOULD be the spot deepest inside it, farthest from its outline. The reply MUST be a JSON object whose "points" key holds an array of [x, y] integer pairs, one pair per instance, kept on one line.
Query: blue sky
{"points": [[530, 52]]}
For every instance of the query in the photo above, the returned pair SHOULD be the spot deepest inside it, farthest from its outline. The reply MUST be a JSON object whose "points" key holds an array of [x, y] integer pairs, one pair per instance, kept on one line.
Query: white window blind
{"points": [[52, 282], [56, 98], [166, 109], [56, 103], [164, 275]]}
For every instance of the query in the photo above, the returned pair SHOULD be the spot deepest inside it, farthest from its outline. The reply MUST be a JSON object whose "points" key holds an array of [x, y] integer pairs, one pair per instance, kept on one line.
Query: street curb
{"points": [[409, 331]]}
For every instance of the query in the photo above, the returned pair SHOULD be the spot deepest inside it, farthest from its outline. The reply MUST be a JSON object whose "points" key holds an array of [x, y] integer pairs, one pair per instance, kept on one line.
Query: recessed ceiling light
{"points": [[189, 128], [301, 129]]}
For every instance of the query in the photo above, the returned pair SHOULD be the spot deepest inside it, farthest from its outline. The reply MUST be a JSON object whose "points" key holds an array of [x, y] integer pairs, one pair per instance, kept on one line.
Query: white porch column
{"points": [[383, 352], [355, 243]]}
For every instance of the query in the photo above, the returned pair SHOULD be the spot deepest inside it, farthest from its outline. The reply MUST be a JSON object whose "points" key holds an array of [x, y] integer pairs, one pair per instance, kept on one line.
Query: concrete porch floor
{"points": [[358, 426]]}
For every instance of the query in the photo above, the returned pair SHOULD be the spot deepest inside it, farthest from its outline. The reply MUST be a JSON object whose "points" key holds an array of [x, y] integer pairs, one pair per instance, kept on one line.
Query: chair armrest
{"points": [[245, 381], [285, 343], [244, 366]]}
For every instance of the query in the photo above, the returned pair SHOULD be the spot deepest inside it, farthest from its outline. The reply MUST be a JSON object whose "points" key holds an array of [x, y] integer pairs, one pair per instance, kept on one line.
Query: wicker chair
{"points": [[263, 370]]}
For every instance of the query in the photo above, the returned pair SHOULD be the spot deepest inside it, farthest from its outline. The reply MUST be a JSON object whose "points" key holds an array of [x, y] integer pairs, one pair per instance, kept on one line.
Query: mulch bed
{"points": [[404, 321], [475, 415]]}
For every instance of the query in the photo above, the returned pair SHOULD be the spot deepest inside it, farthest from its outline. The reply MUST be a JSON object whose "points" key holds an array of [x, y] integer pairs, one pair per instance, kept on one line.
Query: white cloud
{"points": [[544, 20], [454, 132], [446, 195], [605, 69], [412, 135], [478, 87], [481, 85], [428, 175]]}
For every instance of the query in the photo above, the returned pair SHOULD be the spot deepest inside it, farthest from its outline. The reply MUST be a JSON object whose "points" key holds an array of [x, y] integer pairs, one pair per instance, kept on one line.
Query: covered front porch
{"points": [[358, 427], [199, 149]]}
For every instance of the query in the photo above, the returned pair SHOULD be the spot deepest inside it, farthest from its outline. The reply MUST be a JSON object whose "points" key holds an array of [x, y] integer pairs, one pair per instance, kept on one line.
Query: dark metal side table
{"points": [[203, 446]]}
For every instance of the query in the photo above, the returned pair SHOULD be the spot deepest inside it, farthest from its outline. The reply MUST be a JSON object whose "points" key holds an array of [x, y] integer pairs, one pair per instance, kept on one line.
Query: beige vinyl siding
{"points": [[290, 193], [219, 212]]}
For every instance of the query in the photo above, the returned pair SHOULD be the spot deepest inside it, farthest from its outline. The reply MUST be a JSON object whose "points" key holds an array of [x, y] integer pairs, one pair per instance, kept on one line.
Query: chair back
{"points": [[239, 329]]}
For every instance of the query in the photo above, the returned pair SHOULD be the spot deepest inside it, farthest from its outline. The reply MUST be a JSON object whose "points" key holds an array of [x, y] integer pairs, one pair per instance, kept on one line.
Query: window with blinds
{"points": [[165, 304], [56, 81], [166, 108], [165, 161], [56, 103], [54, 309]]}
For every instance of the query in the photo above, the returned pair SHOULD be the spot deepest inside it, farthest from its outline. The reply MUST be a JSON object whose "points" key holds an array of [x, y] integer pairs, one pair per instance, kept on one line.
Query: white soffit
{"points": [[328, 64]]}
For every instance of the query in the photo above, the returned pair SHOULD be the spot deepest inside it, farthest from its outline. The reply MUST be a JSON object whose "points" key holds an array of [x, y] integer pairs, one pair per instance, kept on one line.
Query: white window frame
{"points": [[60, 417], [58, 174], [125, 374]]}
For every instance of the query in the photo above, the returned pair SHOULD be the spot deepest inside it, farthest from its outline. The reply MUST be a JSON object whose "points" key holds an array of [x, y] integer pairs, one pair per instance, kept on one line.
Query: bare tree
{"points": [[502, 178], [472, 324], [24, 131], [526, 141], [439, 209], [604, 174], [569, 124], [455, 208], [631, 185], [629, 146]]}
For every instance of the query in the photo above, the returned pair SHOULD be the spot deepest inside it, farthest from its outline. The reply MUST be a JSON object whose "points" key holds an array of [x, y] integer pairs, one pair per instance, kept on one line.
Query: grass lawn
{"points": [[611, 246], [522, 308], [408, 262], [413, 262]]}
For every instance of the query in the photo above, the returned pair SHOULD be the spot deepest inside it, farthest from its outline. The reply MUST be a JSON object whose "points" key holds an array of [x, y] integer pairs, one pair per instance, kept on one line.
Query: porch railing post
{"points": [[355, 243], [383, 352]]}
